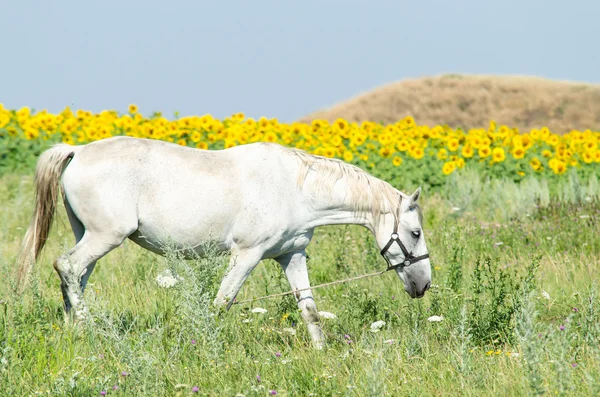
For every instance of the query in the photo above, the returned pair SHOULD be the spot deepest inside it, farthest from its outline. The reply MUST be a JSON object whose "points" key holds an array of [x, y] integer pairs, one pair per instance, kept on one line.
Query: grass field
{"points": [[514, 273]]}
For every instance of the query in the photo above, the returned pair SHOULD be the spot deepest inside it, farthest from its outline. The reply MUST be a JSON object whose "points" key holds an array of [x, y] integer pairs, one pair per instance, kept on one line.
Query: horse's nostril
{"points": [[414, 286], [427, 286]]}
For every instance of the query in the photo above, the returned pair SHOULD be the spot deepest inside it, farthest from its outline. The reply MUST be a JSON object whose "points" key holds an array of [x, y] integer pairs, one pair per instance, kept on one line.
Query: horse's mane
{"points": [[366, 192]]}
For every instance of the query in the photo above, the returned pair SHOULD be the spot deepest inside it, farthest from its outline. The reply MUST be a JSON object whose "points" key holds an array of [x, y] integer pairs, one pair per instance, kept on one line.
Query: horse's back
{"points": [[185, 193]]}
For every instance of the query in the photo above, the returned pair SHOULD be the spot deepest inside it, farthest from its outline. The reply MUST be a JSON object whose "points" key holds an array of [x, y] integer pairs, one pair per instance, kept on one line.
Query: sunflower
{"points": [[518, 152], [442, 154], [588, 157], [535, 164], [498, 155], [133, 109], [560, 168], [270, 137], [397, 161], [329, 152], [448, 167], [348, 156], [467, 151], [484, 151], [385, 152], [452, 144], [417, 153], [340, 125], [202, 145]]}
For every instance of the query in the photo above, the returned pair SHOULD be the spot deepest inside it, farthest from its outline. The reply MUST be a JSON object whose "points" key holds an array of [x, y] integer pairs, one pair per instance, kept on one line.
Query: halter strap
{"points": [[409, 258]]}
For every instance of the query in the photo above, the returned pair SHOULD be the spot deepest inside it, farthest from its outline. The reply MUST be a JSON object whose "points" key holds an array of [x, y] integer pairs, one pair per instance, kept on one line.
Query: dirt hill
{"points": [[473, 100]]}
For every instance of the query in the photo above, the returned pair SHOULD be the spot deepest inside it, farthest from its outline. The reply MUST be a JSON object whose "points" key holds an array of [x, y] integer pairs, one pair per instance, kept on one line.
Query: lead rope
{"points": [[315, 287]]}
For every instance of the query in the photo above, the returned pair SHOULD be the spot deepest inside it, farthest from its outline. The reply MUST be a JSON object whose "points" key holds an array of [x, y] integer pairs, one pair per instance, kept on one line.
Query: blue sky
{"points": [[279, 59]]}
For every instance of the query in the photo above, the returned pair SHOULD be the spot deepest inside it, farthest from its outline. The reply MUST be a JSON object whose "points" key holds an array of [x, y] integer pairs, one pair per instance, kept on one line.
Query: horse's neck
{"points": [[339, 206]]}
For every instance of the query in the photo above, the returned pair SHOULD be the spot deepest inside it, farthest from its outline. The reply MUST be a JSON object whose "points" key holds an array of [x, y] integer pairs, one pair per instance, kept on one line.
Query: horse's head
{"points": [[402, 242]]}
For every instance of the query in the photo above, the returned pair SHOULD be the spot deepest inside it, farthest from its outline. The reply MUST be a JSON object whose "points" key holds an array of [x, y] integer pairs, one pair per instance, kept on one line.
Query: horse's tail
{"points": [[48, 171]]}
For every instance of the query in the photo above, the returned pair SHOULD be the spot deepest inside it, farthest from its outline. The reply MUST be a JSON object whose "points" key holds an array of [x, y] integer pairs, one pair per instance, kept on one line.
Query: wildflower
{"points": [[167, 280], [124, 374], [278, 354], [327, 315], [133, 109], [273, 392], [259, 310], [103, 393], [546, 295], [562, 327], [389, 341], [195, 389], [258, 378], [115, 387], [435, 319], [193, 341], [574, 365], [377, 325], [290, 331]]}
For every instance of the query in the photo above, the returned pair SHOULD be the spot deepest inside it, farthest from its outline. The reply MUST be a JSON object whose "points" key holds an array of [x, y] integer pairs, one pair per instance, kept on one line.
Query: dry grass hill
{"points": [[472, 100]]}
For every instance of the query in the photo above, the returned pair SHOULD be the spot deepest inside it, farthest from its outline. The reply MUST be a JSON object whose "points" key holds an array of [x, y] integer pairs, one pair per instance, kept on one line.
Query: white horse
{"points": [[256, 201]]}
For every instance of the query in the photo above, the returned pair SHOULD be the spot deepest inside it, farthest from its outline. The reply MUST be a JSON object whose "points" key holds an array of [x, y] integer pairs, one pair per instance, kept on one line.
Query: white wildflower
{"points": [[389, 341], [435, 319], [166, 279], [290, 331], [546, 295], [259, 310], [455, 209], [514, 354], [584, 216], [377, 325], [247, 320], [327, 315], [499, 243]]}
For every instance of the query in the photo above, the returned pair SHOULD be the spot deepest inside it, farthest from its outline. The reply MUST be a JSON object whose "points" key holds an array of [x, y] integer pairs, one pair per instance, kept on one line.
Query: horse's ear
{"points": [[415, 196]]}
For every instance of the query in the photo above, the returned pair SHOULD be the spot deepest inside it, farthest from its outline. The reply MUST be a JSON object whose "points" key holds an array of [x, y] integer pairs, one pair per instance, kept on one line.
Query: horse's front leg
{"points": [[294, 266], [241, 265]]}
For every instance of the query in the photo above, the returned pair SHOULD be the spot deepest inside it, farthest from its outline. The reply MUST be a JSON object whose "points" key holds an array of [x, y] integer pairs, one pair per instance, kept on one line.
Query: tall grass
{"points": [[514, 270]]}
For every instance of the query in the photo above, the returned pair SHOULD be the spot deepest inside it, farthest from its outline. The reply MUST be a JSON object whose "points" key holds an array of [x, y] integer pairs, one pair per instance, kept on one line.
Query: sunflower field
{"points": [[405, 151]]}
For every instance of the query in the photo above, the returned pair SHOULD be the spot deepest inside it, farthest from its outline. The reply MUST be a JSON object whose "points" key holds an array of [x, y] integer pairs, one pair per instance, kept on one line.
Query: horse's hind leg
{"points": [[78, 231], [75, 267]]}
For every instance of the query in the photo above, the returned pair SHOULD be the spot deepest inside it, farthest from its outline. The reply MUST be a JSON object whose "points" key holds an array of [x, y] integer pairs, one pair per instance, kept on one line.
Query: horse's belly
{"points": [[188, 244], [193, 230]]}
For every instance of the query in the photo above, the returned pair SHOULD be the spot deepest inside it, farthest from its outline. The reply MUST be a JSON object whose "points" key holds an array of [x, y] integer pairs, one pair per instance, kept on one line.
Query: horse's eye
{"points": [[416, 233]]}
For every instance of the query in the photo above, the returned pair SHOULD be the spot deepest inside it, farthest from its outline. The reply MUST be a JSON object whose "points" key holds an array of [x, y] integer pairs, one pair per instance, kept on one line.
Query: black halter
{"points": [[409, 258]]}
